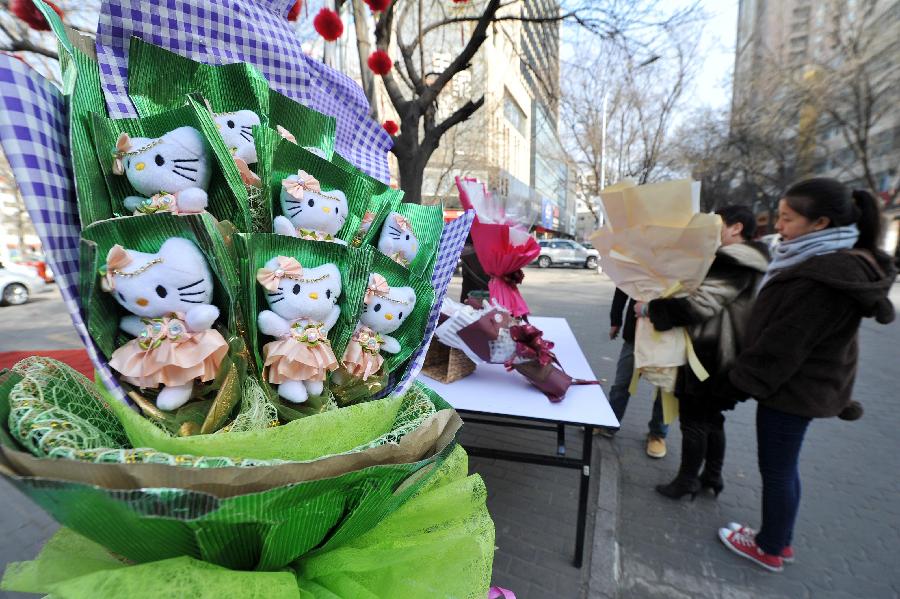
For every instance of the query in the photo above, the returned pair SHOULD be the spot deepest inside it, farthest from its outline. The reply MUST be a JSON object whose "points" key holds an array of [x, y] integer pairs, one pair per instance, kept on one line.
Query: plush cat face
{"points": [[386, 311], [174, 279], [172, 163], [397, 239], [236, 128], [323, 211], [311, 296]]}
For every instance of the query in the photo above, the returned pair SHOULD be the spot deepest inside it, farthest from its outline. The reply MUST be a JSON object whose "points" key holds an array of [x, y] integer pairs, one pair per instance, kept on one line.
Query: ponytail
{"points": [[868, 219]]}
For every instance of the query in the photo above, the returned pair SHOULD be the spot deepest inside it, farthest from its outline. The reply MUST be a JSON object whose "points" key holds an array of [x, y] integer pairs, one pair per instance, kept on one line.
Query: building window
{"points": [[514, 114]]}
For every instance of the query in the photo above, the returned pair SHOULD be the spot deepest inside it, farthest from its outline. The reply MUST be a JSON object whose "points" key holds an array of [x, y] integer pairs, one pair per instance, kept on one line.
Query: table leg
{"points": [[560, 439], [583, 492]]}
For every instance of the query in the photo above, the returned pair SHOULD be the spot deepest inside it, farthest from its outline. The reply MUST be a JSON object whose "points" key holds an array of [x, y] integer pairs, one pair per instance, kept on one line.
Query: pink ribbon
{"points": [[288, 268], [297, 187], [285, 134], [247, 176], [123, 146], [116, 259], [403, 223], [500, 593], [378, 286]]}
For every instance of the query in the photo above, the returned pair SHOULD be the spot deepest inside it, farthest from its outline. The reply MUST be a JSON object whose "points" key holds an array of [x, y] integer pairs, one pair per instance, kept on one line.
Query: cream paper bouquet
{"points": [[655, 244]]}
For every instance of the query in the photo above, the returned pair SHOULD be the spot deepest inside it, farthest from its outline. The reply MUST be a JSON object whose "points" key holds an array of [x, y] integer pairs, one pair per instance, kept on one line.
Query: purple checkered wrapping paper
{"points": [[453, 238], [255, 32], [34, 136]]}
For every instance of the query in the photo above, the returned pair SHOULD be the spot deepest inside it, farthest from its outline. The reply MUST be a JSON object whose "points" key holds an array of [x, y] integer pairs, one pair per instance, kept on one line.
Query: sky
{"points": [[717, 47]]}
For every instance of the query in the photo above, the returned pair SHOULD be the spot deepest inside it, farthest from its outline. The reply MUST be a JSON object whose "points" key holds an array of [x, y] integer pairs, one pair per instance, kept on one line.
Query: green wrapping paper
{"points": [[288, 158], [412, 331], [159, 80], [440, 543], [261, 205], [227, 194], [310, 128], [81, 83], [353, 264]]}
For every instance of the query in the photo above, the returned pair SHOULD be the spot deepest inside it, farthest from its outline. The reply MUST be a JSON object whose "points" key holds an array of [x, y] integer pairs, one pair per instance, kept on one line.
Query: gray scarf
{"points": [[791, 253]]}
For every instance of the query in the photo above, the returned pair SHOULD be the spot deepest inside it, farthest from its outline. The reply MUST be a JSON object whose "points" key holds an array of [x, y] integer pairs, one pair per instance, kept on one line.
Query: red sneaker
{"points": [[745, 546], [787, 554]]}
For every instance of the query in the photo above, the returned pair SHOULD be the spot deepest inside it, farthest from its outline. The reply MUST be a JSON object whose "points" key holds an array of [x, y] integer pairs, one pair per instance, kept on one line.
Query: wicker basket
{"points": [[446, 364]]}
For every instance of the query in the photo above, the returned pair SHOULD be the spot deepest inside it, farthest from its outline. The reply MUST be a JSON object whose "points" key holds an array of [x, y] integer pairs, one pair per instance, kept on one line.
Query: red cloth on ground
{"points": [[76, 358]]}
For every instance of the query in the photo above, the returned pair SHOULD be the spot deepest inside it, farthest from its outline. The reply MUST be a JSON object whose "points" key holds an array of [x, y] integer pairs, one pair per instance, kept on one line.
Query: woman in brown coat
{"points": [[801, 351]]}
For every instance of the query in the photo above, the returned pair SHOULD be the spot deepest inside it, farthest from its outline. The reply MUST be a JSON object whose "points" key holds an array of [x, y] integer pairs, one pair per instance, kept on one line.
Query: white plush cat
{"points": [[303, 304], [385, 309], [169, 295], [172, 172], [397, 239], [310, 212], [236, 129]]}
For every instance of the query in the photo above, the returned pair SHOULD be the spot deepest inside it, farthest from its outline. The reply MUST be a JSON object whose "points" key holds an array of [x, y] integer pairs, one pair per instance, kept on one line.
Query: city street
{"points": [[644, 545]]}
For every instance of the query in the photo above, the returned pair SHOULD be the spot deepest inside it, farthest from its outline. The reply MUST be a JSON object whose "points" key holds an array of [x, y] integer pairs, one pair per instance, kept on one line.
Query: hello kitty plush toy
{"points": [[397, 239], [311, 213], [236, 129], [169, 295], [172, 171], [303, 304], [385, 309]]}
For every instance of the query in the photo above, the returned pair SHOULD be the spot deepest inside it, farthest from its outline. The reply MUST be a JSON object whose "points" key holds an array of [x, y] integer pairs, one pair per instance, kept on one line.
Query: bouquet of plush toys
{"points": [[257, 309]]}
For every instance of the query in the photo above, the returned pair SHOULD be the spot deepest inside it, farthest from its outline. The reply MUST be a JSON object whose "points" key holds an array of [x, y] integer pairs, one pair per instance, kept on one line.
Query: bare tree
{"points": [[630, 91], [411, 28]]}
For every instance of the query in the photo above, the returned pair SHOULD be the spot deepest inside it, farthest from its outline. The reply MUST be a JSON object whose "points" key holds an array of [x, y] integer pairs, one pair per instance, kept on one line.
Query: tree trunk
{"points": [[412, 175], [364, 48]]}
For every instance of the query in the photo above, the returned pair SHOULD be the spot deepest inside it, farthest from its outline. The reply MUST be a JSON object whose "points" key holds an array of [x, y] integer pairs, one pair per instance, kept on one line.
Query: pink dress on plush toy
{"points": [[169, 295], [303, 354]]}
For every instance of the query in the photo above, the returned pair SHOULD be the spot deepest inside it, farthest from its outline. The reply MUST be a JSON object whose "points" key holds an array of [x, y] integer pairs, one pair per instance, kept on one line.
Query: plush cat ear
{"points": [[182, 254], [189, 139]]}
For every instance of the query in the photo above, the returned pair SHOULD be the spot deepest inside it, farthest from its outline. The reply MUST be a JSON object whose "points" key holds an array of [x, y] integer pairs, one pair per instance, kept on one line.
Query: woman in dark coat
{"points": [[716, 317], [802, 347]]}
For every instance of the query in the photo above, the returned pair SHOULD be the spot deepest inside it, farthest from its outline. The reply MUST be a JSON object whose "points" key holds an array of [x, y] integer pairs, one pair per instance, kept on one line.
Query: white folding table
{"points": [[492, 391]]}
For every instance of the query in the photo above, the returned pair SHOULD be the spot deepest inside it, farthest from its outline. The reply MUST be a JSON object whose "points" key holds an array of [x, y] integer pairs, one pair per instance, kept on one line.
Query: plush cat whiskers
{"points": [[397, 240], [172, 171], [310, 213], [385, 309], [169, 295], [303, 308]]}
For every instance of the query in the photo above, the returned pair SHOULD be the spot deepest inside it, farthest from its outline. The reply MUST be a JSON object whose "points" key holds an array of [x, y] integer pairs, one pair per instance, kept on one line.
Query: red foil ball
{"points": [[380, 62], [328, 24], [294, 13], [28, 12], [378, 5], [391, 127]]}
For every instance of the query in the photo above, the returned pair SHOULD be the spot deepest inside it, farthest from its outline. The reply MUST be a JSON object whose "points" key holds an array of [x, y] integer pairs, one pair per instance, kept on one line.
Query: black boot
{"points": [[711, 478], [693, 450]]}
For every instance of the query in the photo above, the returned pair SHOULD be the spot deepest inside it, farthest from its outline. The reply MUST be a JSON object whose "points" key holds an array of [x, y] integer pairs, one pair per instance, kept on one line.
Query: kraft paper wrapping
{"points": [[429, 439], [653, 245]]}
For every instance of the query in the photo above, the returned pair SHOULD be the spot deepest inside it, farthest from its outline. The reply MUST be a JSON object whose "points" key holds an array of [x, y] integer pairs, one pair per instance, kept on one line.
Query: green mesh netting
{"points": [[440, 543]]}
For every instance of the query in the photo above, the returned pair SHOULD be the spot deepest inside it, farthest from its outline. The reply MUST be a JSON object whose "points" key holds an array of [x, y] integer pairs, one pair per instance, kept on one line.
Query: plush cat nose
{"points": [[389, 316], [141, 302], [326, 209], [139, 166], [313, 295]]}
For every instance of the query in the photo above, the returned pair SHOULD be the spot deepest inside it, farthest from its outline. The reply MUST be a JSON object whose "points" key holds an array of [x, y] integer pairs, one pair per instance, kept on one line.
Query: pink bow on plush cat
{"points": [[286, 134], [116, 259], [403, 223], [287, 268], [123, 146], [297, 187], [377, 287]]}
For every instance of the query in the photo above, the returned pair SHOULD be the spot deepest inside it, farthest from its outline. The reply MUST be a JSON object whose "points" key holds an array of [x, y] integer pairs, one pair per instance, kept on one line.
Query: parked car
{"points": [[18, 283], [566, 251]]}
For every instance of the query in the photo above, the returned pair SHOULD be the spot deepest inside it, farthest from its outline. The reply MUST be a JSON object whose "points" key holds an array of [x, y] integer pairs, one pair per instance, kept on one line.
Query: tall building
{"points": [[799, 38], [511, 142]]}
